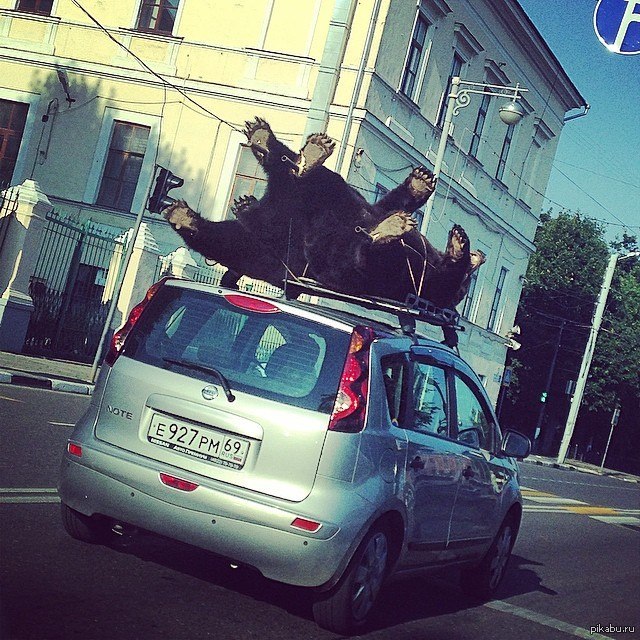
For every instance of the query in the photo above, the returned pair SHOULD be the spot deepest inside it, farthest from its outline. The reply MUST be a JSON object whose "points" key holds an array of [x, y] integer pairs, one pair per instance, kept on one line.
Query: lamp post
{"points": [[458, 98], [590, 347]]}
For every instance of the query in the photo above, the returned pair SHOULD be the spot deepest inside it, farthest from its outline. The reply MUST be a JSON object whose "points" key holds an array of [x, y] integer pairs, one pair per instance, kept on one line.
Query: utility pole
{"points": [[586, 359]]}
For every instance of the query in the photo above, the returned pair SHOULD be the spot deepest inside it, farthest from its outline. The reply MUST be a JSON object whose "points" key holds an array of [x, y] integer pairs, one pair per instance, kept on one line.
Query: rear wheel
{"points": [[347, 606], [84, 528], [482, 581]]}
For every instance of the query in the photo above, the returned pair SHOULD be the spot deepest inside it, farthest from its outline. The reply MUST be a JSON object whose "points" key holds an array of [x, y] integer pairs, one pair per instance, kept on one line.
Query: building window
{"points": [[249, 179], [42, 7], [124, 162], [506, 145], [456, 70], [480, 120], [158, 16], [493, 323], [415, 57], [380, 192], [13, 116], [467, 307]]}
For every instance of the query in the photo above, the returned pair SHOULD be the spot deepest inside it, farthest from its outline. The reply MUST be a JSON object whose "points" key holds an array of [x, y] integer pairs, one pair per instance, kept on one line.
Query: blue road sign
{"points": [[617, 25]]}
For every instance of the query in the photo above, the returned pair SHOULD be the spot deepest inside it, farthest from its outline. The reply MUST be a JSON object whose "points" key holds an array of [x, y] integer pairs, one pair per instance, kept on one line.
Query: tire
{"points": [[482, 581], [347, 606], [83, 528]]}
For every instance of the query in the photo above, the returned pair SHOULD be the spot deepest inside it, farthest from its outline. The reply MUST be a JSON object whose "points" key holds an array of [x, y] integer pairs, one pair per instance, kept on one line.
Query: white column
{"points": [[20, 251]]}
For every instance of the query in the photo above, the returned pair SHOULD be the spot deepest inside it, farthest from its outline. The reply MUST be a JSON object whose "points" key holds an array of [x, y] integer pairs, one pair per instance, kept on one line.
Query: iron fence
{"points": [[8, 208], [68, 289]]}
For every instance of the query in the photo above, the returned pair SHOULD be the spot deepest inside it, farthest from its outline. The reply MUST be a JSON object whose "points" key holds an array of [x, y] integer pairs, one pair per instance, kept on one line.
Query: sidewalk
{"points": [[45, 373]]}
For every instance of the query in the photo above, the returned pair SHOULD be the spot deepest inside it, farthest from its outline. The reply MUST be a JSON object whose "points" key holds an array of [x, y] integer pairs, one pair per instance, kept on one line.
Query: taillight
{"points": [[74, 449], [121, 334], [306, 525], [251, 304], [177, 483], [351, 401]]}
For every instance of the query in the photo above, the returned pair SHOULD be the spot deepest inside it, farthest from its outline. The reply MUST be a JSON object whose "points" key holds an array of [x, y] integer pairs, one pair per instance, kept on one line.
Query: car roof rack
{"points": [[414, 308]]}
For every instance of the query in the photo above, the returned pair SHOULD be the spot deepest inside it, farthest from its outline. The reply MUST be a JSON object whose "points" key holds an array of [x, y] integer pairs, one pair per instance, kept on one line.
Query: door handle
{"points": [[417, 463], [468, 472]]}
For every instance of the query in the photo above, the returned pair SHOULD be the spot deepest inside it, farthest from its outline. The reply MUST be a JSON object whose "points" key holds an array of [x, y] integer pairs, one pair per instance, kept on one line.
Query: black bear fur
{"points": [[311, 223]]}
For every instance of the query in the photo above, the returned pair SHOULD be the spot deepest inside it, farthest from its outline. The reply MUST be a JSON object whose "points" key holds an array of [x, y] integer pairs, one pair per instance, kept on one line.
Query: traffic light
{"points": [[165, 181], [543, 396]]}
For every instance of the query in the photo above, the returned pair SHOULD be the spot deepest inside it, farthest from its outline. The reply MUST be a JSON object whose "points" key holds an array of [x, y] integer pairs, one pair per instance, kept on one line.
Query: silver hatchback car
{"points": [[324, 449]]}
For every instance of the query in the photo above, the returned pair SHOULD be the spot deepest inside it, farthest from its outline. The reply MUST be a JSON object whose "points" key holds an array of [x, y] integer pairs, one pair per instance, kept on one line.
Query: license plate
{"points": [[204, 444]]}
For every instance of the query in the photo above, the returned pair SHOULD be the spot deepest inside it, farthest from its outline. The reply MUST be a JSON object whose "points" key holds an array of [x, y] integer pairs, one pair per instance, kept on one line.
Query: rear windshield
{"points": [[273, 355]]}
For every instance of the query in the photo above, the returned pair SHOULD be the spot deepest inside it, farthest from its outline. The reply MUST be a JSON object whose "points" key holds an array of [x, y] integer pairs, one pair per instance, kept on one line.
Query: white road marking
{"points": [[27, 490], [28, 499], [549, 500], [547, 621], [11, 399], [28, 495], [618, 519], [62, 424]]}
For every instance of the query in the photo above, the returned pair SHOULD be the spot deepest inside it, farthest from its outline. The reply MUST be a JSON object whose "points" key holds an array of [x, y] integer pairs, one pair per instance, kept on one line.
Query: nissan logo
{"points": [[210, 393]]}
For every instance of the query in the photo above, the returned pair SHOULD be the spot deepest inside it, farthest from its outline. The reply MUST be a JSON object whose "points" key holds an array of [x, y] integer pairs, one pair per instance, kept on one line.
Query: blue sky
{"points": [[597, 167]]}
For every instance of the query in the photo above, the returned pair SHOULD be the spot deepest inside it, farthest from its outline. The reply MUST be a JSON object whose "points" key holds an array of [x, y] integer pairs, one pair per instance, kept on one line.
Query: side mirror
{"points": [[515, 445]]}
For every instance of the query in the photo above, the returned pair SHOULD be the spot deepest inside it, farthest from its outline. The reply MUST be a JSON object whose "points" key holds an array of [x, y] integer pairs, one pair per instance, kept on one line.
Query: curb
{"points": [[41, 382], [625, 477]]}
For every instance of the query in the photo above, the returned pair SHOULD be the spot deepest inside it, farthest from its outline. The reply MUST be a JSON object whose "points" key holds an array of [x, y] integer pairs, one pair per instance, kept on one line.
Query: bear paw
{"points": [[458, 244], [316, 150], [180, 216], [242, 205], [259, 135], [421, 183], [392, 227]]}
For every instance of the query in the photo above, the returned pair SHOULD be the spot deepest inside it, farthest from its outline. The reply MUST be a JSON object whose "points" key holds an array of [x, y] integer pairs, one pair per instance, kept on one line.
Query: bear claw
{"points": [[258, 134], [458, 245], [392, 227], [421, 183]]}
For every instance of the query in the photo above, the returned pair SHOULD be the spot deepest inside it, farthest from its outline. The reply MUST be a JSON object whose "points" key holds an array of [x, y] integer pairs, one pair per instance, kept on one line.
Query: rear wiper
{"points": [[224, 383]]}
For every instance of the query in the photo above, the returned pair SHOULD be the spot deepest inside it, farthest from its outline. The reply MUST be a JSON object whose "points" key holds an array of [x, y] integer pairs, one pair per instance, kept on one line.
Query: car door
{"points": [[477, 513], [433, 461]]}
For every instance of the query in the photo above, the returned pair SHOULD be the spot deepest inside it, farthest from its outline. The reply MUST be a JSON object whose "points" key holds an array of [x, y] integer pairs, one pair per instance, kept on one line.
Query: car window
{"points": [[394, 375], [430, 404], [274, 355], [474, 424]]}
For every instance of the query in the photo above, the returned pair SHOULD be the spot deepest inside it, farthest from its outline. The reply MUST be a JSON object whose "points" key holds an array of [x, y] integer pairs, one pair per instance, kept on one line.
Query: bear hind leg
{"points": [[316, 150]]}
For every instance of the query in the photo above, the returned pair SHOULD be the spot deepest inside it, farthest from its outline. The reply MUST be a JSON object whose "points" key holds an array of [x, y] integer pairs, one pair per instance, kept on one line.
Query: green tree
{"points": [[562, 284]]}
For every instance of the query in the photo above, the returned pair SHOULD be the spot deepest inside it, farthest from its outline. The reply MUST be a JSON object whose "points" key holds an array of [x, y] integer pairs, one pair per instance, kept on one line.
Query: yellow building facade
{"points": [[94, 95]]}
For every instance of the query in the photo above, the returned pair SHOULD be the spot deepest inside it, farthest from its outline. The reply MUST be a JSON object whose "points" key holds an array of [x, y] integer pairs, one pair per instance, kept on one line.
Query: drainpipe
{"points": [[358, 84], [332, 56]]}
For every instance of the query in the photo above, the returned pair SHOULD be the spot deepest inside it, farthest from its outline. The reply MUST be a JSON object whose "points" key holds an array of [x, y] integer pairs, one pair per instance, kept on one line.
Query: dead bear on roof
{"points": [[311, 223]]}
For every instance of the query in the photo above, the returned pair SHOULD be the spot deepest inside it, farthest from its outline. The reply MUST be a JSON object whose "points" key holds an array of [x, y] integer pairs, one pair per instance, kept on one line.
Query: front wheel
{"points": [[347, 606], [83, 528], [482, 581]]}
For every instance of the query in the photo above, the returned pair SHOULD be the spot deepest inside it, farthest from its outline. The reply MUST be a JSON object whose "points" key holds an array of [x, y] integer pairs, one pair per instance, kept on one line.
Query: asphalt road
{"points": [[576, 565]]}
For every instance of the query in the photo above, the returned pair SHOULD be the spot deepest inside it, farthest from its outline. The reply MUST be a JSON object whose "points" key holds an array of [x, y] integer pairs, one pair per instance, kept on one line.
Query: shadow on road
{"points": [[401, 601]]}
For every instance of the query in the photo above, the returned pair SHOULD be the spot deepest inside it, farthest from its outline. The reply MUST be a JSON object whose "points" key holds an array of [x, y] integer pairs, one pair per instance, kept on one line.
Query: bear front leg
{"points": [[273, 156], [408, 196]]}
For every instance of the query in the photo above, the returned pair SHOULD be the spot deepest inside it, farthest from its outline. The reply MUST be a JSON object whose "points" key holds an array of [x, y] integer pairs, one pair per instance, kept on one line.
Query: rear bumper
{"points": [[244, 529]]}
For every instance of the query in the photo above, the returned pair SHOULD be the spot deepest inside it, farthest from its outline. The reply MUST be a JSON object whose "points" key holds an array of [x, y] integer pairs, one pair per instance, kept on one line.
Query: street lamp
{"points": [[458, 98], [590, 347]]}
